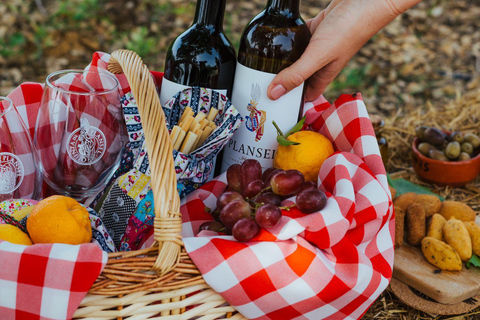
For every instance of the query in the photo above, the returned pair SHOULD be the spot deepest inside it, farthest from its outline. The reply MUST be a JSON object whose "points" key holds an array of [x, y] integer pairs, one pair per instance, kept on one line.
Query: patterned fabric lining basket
{"points": [[349, 246]]}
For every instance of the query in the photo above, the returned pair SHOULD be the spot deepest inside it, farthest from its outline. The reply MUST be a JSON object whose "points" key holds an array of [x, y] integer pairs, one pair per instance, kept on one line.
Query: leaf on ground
{"points": [[404, 186], [474, 261]]}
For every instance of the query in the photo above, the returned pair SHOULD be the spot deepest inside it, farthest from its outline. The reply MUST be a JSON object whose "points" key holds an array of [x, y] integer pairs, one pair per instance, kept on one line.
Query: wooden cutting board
{"points": [[448, 287]]}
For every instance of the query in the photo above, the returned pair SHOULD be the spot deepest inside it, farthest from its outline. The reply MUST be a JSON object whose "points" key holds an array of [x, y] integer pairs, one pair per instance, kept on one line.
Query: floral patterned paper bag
{"points": [[195, 168]]}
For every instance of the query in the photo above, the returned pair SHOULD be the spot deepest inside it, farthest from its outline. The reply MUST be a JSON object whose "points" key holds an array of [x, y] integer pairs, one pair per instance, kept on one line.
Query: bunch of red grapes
{"points": [[253, 199]]}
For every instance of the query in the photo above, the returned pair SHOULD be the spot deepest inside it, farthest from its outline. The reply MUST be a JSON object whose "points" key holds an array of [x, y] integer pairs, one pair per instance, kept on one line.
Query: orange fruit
{"points": [[59, 219], [14, 235], [307, 157]]}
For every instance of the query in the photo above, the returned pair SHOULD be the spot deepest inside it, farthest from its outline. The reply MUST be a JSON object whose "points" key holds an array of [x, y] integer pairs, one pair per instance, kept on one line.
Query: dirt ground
{"points": [[430, 53]]}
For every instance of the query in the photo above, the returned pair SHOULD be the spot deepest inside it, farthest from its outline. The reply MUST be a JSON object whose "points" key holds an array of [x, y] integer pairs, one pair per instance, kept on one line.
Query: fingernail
{"points": [[278, 91]]}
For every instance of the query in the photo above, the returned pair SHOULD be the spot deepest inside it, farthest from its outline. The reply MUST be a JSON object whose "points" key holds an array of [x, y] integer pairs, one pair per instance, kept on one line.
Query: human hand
{"points": [[338, 32]]}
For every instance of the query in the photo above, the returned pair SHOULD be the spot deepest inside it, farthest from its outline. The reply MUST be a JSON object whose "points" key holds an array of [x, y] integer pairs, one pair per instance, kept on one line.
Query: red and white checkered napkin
{"points": [[46, 281], [327, 265]]}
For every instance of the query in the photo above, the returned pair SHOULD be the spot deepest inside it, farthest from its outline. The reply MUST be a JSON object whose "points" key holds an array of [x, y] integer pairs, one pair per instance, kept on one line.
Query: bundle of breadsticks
{"points": [[192, 131]]}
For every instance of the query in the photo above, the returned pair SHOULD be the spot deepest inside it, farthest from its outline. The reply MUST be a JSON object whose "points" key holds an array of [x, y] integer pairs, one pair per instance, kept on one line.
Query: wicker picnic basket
{"points": [[160, 282]]}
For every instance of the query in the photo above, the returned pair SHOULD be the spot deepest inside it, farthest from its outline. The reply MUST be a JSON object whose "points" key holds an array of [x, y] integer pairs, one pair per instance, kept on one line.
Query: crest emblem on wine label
{"points": [[255, 122], [11, 172], [86, 145]]}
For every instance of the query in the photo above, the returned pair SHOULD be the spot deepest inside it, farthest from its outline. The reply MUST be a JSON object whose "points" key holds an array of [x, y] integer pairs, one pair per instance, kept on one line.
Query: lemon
{"points": [[14, 235], [306, 157]]}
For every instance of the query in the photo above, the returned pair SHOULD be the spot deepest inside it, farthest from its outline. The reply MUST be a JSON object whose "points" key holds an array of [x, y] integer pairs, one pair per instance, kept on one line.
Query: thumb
{"points": [[293, 76]]}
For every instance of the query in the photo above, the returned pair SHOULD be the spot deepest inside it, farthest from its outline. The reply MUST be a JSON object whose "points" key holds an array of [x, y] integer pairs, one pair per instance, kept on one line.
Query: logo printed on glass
{"points": [[86, 145], [11, 172], [255, 122]]}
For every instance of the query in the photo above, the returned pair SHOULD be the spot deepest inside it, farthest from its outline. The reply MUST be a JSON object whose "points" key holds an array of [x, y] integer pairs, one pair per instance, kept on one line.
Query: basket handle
{"points": [[168, 221]]}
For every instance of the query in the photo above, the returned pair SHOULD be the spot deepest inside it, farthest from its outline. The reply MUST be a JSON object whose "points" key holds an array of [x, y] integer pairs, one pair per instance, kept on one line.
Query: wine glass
{"points": [[19, 177], [80, 132]]}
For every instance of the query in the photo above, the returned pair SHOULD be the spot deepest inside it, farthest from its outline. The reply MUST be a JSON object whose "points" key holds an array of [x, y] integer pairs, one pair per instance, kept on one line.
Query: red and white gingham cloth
{"points": [[332, 264], [46, 281]]}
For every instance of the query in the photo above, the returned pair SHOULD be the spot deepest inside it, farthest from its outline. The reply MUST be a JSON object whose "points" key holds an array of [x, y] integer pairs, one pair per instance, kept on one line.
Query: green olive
{"points": [[467, 148], [463, 156], [456, 136], [473, 139], [452, 151], [420, 132], [425, 148], [437, 155]]}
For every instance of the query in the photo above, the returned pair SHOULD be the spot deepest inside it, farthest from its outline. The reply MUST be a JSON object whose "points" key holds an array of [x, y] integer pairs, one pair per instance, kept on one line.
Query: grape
{"points": [[245, 229], [268, 198], [212, 226], [268, 174], [235, 211], [311, 200], [253, 188], [227, 197], [286, 183], [308, 185], [268, 216], [250, 170], [234, 178]]}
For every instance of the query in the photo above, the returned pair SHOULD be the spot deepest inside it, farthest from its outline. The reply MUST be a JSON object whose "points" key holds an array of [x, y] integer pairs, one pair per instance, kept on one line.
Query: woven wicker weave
{"points": [[160, 282]]}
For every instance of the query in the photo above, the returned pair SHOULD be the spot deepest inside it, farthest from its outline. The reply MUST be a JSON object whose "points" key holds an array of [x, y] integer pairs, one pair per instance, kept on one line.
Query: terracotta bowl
{"points": [[444, 173]]}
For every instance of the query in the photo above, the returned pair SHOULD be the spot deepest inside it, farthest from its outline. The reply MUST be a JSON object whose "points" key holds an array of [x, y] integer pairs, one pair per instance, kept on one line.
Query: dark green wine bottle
{"points": [[202, 55], [271, 42]]}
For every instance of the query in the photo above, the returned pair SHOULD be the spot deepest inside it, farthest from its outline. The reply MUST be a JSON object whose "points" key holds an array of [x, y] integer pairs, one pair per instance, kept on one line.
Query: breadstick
{"points": [[194, 126], [188, 143], [199, 135], [204, 123], [179, 140], [187, 123], [200, 116], [205, 134], [185, 113], [174, 134], [212, 114]]}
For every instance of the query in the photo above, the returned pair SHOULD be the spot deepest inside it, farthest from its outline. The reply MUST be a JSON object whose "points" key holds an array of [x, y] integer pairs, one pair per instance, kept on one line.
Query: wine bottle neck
{"points": [[210, 13], [290, 8]]}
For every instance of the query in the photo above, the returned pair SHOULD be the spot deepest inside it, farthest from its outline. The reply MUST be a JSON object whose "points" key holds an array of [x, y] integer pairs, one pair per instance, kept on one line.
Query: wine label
{"points": [[170, 88], [257, 137]]}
